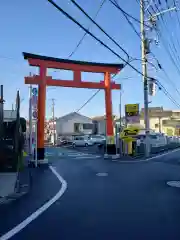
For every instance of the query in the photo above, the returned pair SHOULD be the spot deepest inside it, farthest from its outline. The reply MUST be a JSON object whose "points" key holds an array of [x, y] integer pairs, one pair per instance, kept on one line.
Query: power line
{"points": [[97, 25], [167, 76], [79, 109], [161, 87], [168, 51], [94, 94], [84, 35], [97, 39], [93, 36], [126, 16], [173, 47]]}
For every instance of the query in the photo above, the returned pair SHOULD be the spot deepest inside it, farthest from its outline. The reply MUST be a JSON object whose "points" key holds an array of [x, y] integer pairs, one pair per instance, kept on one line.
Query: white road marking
{"points": [[174, 184], [76, 154], [101, 174], [49, 154], [148, 159], [89, 156], [39, 211]]}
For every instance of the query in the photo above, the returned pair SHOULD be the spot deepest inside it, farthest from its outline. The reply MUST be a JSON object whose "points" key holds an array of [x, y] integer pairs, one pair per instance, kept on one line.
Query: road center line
{"points": [[39, 211]]}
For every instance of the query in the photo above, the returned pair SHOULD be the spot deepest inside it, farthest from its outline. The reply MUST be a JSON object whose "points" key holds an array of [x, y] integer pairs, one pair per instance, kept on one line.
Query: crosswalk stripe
{"points": [[86, 157]]}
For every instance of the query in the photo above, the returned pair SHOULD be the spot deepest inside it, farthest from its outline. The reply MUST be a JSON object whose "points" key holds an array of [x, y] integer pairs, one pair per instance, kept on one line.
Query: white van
{"points": [[155, 139]]}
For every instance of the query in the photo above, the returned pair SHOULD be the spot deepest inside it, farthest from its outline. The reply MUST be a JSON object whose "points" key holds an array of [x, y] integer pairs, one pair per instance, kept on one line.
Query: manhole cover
{"points": [[102, 174], [174, 184]]}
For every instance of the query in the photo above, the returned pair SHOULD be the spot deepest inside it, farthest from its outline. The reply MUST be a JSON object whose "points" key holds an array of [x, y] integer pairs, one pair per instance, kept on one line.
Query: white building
{"points": [[100, 124], [9, 115], [73, 124]]}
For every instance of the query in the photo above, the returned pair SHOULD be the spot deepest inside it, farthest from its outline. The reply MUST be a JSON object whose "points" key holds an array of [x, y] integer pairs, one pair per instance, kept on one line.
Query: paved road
{"points": [[132, 201], [75, 153]]}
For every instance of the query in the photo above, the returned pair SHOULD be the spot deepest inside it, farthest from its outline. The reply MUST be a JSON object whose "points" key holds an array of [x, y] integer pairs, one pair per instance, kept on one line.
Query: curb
{"points": [[12, 197], [19, 191], [113, 157]]}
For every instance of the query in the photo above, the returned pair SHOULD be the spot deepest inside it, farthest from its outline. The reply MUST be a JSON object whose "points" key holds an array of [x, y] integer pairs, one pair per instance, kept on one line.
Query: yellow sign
{"points": [[129, 132], [128, 139], [132, 109]]}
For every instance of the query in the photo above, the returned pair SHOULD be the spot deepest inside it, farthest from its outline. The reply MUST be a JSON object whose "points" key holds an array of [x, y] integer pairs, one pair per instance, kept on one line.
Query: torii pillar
{"points": [[42, 80]]}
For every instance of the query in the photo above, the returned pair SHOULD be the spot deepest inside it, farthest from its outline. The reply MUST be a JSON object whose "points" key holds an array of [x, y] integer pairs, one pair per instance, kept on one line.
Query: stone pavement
{"points": [[7, 183], [15, 184]]}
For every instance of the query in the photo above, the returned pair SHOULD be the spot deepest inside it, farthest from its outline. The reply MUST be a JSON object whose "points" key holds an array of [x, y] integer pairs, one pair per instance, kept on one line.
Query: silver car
{"points": [[98, 139], [81, 141]]}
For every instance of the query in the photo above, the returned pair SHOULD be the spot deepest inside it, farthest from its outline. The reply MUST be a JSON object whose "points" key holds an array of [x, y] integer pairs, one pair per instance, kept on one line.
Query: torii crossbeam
{"points": [[42, 80]]}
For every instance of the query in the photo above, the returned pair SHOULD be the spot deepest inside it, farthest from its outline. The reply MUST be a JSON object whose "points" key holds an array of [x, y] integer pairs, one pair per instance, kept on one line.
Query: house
{"points": [[9, 115], [161, 120], [73, 124], [100, 124]]}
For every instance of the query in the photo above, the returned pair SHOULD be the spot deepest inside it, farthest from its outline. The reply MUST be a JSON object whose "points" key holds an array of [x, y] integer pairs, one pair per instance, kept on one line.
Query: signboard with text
{"points": [[132, 113], [34, 100]]}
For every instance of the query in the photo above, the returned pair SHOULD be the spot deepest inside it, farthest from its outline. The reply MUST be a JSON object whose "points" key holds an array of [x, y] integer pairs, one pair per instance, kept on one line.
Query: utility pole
{"points": [[145, 78], [1, 112], [149, 82], [53, 119]]}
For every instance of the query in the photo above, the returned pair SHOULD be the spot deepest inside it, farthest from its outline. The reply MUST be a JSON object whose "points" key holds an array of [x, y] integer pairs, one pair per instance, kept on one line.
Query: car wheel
{"points": [[86, 144]]}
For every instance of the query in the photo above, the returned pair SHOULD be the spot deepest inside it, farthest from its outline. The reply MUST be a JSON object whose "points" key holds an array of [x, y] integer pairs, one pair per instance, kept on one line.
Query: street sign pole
{"points": [[35, 118], [30, 120], [36, 161]]}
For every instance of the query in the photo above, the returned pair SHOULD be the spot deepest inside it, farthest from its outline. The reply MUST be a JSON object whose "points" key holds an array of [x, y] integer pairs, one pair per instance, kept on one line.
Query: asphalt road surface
{"points": [[103, 200]]}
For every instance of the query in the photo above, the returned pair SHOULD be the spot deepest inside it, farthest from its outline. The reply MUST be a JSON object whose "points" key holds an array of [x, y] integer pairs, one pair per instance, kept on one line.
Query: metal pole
{"points": [[120, 123], [30, 119], [145, 80], [106, 135], [36, 161], [160, 124], [116, 137], [53, 117], [1, 112]]}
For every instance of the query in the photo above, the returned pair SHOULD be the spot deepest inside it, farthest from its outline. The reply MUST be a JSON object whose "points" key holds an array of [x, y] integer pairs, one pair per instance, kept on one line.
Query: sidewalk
{"points": [[7, 183], [15, 184]]}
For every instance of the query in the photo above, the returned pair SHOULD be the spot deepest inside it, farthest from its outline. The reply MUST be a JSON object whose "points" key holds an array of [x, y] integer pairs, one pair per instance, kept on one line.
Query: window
{"points": [[153, 136], [87, 126], [164, 121], [176, 114], [76, 127]]}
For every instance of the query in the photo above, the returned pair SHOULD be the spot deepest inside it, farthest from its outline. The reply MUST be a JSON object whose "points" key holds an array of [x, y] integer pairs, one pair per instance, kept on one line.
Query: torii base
{"points": [[40, 153], [110, 149]]}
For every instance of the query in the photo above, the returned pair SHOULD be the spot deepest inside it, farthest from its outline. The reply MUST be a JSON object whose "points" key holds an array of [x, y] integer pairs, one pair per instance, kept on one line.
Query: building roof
{"points": [[100, 118], [71, 115], [53, 59]]}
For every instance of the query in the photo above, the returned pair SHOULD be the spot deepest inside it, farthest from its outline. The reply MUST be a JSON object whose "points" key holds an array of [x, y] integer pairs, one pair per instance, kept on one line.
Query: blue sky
{"points": [[37, 27]]}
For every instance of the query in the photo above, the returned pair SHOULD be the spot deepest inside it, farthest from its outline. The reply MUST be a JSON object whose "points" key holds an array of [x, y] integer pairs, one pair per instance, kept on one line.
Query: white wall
{"points": [[152, 122], [67, 127], [102, 127]]}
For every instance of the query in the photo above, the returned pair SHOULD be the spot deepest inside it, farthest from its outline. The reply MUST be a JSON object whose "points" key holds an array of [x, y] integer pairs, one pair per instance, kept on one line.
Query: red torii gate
{"points": [[44, 62]]}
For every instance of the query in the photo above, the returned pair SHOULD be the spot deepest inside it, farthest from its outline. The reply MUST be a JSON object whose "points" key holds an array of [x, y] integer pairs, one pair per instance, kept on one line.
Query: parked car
{"points": [[61, 141], [98, 139], [81, 141]]}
